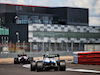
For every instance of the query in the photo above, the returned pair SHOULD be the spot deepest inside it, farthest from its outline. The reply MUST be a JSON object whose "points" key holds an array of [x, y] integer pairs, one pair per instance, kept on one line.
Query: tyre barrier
{"points": [[88, 58]]}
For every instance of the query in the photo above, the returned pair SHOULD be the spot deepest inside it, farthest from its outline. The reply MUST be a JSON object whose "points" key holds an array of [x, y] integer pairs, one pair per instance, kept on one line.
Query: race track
{"points": [[12, 69]]}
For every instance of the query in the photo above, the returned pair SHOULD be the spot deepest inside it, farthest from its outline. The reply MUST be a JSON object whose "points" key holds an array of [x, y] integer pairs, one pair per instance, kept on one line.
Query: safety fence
{"points": [[36, 54], [40, 47]]}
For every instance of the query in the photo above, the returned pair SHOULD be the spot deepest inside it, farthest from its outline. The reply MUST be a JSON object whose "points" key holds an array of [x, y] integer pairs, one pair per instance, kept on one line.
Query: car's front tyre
{"points": [[16, 61]]}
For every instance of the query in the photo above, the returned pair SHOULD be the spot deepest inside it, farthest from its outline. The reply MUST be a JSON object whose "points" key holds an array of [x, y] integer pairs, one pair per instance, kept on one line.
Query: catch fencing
{"points": [[36, 54]]}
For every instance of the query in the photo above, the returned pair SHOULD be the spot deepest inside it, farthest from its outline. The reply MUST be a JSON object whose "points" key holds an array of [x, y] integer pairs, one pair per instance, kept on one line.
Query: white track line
{"points": [[82, 70], [70, 69], [26, 66]]}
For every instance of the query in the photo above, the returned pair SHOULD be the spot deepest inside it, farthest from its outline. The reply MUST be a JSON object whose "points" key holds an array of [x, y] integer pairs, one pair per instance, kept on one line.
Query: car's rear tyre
{"points": [[16, 61], [33, 66], [62, 65], [39, 66]]}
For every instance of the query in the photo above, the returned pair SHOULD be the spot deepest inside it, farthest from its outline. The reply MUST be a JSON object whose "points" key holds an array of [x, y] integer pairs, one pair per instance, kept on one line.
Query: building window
{"points": [[19, 8], [4, 31], [22, 19], [45, 19], [66, 34], [34, 19], [33, 9]]}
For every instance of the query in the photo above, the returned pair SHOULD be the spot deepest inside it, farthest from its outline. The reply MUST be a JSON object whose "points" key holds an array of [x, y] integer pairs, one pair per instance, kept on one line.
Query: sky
{"points": [[92, 5]]}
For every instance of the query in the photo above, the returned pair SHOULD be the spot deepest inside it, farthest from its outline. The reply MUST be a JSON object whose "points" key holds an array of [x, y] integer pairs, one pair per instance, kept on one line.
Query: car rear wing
{"points": [[19, 55], [51, 55]]}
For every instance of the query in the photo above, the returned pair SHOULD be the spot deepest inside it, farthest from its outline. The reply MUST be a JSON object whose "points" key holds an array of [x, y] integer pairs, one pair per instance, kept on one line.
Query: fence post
{"points": [[55, 47], [30, 46], [79, 46], [43, 46], [10, 46], [49, 45], [87, 45], [37, 47], [67, 46], [71, 45], [23, 45], [2, 41], [93, 45]]}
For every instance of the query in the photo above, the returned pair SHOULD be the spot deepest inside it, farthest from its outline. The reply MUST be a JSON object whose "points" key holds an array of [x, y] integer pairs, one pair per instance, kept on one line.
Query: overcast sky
{"points": [[93, 5]]}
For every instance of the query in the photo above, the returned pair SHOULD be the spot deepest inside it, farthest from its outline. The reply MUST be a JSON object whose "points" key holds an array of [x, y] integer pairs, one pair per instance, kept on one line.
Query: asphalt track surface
{"points": [[12, 69]]}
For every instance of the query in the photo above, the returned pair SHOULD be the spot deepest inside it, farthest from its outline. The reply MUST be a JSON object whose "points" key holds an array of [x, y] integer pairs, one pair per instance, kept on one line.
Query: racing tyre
{"points": [[39, 66], [62, 65], [16, 61], [33, 66], [30, 59]]}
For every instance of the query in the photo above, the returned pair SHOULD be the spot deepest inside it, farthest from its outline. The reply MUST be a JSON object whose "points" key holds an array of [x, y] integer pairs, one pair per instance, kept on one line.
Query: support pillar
{"points": [[49, 45], [55, 46], [23, 45], [93, 45], [79, 46], [67, 46], [43, 46], [30, 46], [72, 46], [37, 47]]}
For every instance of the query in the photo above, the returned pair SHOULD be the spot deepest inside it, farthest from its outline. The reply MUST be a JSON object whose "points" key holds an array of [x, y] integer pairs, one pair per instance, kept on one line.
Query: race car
{"points": [[49, 62], [22, 58]]}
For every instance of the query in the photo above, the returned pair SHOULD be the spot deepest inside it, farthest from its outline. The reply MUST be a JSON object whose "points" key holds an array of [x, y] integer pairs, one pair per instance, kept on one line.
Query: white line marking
{"points": [[82, 70], [69, 61], [26, 66]]}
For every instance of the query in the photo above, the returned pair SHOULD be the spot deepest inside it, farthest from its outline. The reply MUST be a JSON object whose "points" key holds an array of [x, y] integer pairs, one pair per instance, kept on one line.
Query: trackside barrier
{"points": [[89, 58], [36, 54]]}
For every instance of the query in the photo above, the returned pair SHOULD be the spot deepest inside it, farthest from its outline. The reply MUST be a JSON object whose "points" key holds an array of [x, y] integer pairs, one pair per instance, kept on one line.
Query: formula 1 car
{"points": [[22, 58], [49, 62]]}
